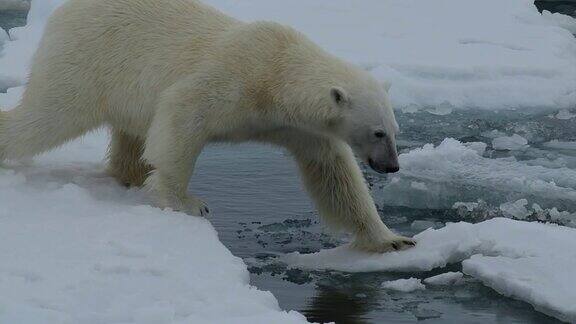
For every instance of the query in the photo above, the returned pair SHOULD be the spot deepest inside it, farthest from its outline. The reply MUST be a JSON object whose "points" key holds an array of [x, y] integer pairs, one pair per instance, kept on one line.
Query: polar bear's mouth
{"points": [[382, 167]]}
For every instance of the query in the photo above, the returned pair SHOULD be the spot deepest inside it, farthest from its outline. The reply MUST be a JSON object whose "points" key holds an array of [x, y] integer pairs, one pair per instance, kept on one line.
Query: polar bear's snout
{"points": [[383, 157], [388, 165]]}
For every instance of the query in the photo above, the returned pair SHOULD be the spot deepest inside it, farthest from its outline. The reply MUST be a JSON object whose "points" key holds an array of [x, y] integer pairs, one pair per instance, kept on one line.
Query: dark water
{"points": [[567, 7], [260, 210], [12, 18]]}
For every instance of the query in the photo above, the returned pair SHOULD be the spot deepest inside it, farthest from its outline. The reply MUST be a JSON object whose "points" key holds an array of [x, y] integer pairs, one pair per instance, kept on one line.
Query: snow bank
{"points": [[77, 248], [533, 262], [435, 53]]}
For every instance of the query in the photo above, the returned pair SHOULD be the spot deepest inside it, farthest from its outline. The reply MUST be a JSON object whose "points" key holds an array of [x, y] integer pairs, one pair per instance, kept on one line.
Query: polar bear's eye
{"points": [[379, 134]]}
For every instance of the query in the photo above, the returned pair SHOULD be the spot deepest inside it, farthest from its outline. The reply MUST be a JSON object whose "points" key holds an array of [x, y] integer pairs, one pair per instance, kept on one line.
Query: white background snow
{"points": [[75, 247]]}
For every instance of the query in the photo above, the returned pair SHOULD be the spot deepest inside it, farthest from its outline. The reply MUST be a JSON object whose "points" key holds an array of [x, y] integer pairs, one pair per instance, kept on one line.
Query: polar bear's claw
{"points": [[392, 244]]}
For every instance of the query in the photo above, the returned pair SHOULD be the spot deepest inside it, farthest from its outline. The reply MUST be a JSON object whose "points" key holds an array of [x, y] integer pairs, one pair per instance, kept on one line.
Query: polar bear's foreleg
{"points": [[125, 162], [334, 180], [175, 140]]}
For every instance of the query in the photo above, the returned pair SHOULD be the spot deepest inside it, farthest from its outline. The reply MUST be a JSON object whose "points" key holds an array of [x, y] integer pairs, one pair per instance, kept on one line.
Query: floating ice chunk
{"points": [[445, 279], [561, 216], [565, 114], [511, 143], [545, 282], [516, 209], [404, 285], [442, 109], [422, 313], [419, 185], [460, 172], [468, 206], [536, 260], [410, 109], [420, 225], [493, 134], [556, 144]]}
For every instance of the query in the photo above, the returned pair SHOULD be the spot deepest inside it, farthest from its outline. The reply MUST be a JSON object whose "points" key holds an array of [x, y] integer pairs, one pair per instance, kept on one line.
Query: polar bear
{"points": [[169, 77]]}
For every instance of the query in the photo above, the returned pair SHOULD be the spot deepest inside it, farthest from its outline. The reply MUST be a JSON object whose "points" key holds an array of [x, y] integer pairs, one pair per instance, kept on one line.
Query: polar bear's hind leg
{"points": [[125, 161], [26, 131]]}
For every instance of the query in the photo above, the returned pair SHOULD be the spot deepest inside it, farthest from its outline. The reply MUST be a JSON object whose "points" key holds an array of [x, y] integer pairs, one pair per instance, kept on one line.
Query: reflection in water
{"points": [[331, 304]]}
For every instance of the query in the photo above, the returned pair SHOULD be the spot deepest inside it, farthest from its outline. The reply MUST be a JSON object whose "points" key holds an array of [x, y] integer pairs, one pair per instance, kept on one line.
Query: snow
{"points": [[438, 55], [530, 261], [78, 248], [404, 285], [510, 143], [445, 279]]}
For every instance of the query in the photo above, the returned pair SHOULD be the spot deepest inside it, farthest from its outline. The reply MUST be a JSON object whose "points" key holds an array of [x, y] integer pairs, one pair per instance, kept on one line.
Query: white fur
{"points": [[171, 76]]}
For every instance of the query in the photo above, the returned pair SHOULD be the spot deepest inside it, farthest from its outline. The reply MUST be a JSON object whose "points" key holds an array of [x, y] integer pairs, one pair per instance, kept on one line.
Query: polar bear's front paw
{"points": [[189, 205], [193, 206], [390, 244], [186, 204], [166, 197]]}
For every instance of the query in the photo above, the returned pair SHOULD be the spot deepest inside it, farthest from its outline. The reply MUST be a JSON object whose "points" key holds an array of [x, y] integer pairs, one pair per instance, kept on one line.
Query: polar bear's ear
{"points": [[339, 96], [386, 85]]}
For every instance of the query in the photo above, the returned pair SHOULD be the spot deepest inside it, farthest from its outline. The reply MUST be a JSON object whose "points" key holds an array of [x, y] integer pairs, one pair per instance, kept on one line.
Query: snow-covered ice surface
{"points": [[442, 53], [532, 262], [76, 248]]}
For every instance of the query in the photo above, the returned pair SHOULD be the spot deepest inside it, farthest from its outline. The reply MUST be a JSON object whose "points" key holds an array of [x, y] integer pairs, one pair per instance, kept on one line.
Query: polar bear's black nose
{"points": [[383, 166], [393, 169]]}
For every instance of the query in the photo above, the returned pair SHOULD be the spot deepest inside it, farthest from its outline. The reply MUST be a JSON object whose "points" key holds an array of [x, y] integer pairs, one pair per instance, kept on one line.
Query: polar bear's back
{"points": [[124, 52]]}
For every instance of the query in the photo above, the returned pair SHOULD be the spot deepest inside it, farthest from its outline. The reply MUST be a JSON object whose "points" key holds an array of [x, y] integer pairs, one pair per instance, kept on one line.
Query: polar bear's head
{"points": [[368, 123]]}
